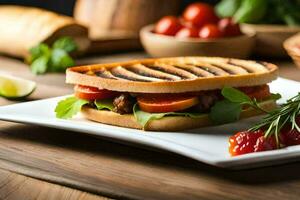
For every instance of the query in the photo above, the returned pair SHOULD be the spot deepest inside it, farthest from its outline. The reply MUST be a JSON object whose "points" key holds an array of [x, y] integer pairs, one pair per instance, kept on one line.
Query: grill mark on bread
{"points": [[104, 74], [195, 70], [123, 73], [232, 70], [171, 69], [146, 71], [250, 66], [214, 70]]}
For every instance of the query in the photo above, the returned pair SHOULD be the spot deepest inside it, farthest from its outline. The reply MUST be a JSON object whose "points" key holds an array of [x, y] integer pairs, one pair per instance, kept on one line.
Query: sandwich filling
{"points": [[222, 106], [198, 102]]}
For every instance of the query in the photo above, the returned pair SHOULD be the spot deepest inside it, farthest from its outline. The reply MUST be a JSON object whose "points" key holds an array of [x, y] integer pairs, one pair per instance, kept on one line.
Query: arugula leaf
{"points": [[69, 107], [235, 95], [144, 117], [225, 112], [230, 108], [104, 104], [65, 43]]}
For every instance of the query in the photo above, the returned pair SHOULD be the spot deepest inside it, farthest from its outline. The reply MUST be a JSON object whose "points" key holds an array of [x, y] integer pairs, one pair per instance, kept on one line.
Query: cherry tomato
{"points": [[210, 31], [250, 141], [92, 93], [200, 14], [188, 33], [289, 136], [229, 27], [171, 103], [168, 25], [258, 92]]}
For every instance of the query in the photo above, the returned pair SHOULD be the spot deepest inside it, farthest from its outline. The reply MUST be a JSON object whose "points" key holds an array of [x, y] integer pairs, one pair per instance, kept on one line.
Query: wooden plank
{"points": [[18, 187], [99, 166]]}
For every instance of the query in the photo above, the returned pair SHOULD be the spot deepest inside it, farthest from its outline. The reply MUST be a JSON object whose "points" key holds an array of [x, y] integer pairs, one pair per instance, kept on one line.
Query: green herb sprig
{"points": [[44, 58], [275, 120]]}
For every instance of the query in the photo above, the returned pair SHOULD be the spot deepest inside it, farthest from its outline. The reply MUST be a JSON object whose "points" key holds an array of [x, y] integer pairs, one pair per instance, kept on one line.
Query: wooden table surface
{"points": [[125, 172]]}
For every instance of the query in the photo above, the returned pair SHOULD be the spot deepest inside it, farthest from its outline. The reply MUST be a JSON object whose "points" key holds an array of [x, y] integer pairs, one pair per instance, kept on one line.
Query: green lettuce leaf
{"points": [[144, 117], [69, 107], [104, 104]]}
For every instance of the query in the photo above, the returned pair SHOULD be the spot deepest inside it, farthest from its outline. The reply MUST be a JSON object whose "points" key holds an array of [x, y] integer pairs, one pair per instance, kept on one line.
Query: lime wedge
{"points": [[13, 87]]}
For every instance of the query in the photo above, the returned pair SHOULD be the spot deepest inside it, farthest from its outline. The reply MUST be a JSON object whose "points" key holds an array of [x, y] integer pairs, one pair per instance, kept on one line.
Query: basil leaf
{"points": [[104, 104], [65, 43], [40, 65], [235, 95], [225, 112], [144, 117], [69, 107]]}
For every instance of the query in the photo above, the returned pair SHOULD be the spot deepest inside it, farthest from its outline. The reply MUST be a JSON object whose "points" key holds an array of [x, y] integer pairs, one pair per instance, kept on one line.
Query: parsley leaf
{"points": [[56, 59], [60, 61], [40, 65], [66, 43], [69, 107]]}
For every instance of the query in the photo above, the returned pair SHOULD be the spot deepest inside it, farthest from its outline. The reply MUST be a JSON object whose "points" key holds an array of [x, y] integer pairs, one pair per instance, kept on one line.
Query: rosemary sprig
{"points": [[275, 120]]}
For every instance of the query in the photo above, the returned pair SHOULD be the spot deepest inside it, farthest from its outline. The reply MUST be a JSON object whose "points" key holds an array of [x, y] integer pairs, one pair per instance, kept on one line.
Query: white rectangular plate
{"points": [[208, 145]]}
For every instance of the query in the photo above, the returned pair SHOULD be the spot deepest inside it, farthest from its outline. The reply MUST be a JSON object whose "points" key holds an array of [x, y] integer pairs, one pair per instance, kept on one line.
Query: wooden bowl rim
{"points": [[272, 28], [289, 44], [147, 30]]}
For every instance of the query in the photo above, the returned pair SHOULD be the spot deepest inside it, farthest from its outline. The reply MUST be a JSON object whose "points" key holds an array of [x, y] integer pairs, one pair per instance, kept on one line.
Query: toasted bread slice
{"points": [[173, 75], [169, 123]]}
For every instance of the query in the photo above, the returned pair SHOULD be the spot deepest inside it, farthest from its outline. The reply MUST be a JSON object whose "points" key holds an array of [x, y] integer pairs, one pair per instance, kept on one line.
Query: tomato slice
{"points": [[170, 103], [92, 93], [258, 92]]}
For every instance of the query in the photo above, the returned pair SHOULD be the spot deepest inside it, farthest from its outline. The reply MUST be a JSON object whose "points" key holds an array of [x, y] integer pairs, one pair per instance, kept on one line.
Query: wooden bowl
{"points": [[167, 46], [292, 47], [270, 38], [128, 16]]}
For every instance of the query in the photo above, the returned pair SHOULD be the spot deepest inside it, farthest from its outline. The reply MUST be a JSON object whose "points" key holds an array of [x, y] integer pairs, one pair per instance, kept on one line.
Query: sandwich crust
{"points": [[173, 75], [169, 123]]}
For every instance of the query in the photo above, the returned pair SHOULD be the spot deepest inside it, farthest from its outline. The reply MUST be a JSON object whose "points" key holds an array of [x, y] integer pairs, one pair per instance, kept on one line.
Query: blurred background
{"points": [[65, 6]]}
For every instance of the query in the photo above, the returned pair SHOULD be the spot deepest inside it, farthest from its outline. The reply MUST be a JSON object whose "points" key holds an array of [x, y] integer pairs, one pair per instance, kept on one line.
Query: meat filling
{"points": [[123, 104]]}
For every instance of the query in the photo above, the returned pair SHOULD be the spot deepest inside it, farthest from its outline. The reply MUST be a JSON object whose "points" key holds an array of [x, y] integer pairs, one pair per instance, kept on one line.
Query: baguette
{"points": [[24, 27]]}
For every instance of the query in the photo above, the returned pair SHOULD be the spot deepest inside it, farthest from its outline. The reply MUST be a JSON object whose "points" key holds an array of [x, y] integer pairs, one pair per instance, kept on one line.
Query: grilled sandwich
{"points": [[167, 94]]}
